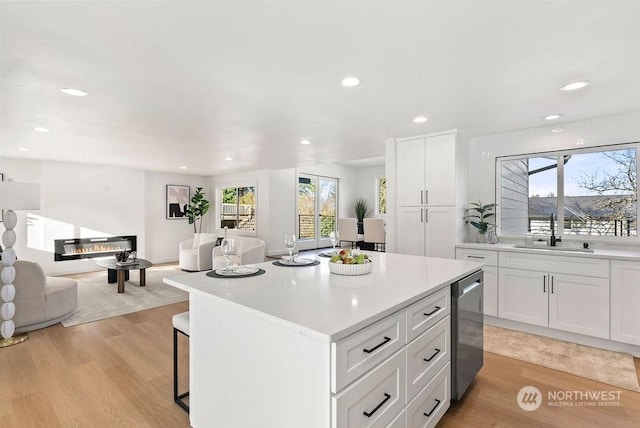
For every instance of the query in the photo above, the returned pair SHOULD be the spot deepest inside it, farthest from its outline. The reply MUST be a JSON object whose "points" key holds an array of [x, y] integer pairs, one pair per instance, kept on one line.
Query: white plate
{"points": [[240, 270], [297, 261]]}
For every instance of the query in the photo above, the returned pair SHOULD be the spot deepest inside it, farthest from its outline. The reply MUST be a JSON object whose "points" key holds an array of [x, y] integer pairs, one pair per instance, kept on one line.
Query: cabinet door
{"points": [[523, 296], [440, 232], [625, 295], [490, 296], [411, 160], [440, 170], [411, 230], [579, 304]]}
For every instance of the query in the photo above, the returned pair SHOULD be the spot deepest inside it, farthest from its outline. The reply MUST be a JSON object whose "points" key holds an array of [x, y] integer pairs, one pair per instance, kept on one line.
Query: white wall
{"points": [[79, 200], [367, 181], [162, 236]]}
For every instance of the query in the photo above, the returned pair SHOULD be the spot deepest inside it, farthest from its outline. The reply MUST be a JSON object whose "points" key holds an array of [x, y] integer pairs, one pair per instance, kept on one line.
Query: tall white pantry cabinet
{"points": [[431, 188]]}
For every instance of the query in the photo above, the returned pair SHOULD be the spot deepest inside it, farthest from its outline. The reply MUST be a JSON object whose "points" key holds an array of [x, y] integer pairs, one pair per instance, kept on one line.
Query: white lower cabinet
{"points": [[403, 358], [432, 402], [625, 295], [575, 303]]}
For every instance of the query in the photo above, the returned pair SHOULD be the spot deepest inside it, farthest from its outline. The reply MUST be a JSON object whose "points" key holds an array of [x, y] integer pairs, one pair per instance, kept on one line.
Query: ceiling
{"points": [[177, 83]]}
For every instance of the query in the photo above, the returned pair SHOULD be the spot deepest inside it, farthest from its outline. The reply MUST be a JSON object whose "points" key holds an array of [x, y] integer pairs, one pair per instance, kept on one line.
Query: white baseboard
{"points": [[595, 342]]}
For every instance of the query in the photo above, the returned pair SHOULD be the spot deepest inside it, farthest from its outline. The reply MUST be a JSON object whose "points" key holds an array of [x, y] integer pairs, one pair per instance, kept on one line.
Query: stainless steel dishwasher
{"points": [[466, 332]]}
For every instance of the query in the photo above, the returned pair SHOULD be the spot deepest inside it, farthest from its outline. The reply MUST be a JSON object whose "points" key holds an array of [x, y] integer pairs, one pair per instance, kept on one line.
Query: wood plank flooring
{"points": [[118, 373]]}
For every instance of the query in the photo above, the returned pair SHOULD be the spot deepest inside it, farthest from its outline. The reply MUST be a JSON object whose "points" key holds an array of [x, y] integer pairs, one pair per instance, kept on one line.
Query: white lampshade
{"points": [[19, 196]]}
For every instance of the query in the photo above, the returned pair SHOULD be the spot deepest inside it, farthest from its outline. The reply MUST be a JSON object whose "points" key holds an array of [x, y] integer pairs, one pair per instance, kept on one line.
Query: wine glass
{"points": [[334, 238], [290, 243], [228, 247]]}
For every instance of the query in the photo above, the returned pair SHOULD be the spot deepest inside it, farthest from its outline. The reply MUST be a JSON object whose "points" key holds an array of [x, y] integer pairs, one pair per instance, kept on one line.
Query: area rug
{"points": [[98, 299], [613, 368]]}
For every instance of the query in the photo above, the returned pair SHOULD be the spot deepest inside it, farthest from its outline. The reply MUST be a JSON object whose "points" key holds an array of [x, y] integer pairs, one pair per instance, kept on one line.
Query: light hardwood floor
{"points": [[118, 373]]}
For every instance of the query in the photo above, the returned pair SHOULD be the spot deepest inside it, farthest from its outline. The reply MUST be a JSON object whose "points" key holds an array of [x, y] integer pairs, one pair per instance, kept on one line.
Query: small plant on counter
{"points": [[477, 215]]}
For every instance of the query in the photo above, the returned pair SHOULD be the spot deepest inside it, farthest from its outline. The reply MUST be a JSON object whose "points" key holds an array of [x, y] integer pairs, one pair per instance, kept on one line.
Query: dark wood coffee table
{"points": [[121, 273]]}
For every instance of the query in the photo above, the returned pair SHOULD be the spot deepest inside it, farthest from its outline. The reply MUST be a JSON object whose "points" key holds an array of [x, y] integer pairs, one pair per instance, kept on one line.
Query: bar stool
{"points": [[180, 324]]}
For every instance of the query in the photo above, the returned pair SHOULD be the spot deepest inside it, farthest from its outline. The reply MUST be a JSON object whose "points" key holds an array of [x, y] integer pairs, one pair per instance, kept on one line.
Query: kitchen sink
{"points": [[547, 247]]}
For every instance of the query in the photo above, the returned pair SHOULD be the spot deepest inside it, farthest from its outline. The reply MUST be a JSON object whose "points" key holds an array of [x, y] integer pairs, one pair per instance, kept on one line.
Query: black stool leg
{"points": [[177, 398]]}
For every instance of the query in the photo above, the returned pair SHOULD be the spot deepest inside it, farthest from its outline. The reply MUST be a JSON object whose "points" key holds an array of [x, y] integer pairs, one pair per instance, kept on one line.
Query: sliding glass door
{"points": [[317, 208]]}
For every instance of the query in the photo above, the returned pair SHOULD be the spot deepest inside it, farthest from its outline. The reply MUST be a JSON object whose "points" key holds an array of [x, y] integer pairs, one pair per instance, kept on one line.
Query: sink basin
{"points": [[547, 247]]}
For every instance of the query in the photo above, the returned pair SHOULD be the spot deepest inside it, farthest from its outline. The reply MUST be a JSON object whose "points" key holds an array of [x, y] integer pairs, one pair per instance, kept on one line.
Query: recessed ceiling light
{"points": [[183, 167], [575, 85], [305, 142], [557, 130], [552, 116], [420, 119], [228, 158], [74, 92], [41, 129], [24, 149], [350, 81]]}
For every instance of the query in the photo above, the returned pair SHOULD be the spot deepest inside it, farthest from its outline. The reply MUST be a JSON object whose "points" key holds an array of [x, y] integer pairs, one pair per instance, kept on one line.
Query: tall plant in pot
{"points": [[477, 214], [197, 209], [361, 207]]}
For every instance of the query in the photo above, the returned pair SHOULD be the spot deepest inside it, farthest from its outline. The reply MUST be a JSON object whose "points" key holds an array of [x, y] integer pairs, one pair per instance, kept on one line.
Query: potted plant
{"points": [[361, 207], [477, 215], [197, 209]]}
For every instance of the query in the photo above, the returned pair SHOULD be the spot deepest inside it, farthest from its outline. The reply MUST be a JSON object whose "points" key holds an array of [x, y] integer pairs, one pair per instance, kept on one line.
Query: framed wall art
{"points": [[177, 201]]}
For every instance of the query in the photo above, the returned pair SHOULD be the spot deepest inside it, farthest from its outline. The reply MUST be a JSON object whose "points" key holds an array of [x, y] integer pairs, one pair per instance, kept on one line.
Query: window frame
{"points": [[377, 193], [560, 192], [218, 207]]}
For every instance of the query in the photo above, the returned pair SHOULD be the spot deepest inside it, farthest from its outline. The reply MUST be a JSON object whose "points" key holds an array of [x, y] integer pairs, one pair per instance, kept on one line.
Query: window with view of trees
{"points": [[381, 187], [237, 208], [592, 192]]}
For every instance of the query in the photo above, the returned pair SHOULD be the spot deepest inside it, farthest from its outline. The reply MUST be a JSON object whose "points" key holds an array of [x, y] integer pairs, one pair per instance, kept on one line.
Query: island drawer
{"points": [[481, 256], [358, 353], [432, 402], [427, 355], [400, 421], [425, 313], [374, 400]]}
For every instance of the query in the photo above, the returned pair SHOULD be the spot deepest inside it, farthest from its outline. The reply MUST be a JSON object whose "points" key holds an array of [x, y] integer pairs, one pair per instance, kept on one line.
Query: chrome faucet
{"points": [[553, 240]]}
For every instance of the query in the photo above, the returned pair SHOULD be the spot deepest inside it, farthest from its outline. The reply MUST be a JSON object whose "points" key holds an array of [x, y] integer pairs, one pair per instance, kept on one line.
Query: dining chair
{"points": [[348, 231], [374, 232]]}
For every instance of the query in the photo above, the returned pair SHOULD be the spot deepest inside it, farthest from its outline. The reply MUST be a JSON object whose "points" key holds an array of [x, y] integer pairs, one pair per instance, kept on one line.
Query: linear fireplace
{"points": [[89, 248]]}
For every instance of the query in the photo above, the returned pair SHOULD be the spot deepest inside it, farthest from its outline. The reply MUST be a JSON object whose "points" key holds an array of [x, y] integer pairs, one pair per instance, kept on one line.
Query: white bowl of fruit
{"points": [[348, 262]]}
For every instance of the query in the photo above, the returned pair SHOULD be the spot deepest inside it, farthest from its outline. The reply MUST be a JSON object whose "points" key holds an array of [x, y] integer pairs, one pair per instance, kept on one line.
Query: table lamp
{"points": [[13, 196]]}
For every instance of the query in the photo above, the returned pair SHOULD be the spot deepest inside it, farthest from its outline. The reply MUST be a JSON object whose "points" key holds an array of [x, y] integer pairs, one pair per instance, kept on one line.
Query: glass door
{"points": [[317, 208]]}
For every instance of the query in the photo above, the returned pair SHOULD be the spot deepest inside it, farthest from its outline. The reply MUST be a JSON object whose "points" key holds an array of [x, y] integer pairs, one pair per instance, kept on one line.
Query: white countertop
{"points": [[628, 254], [325, 305]]}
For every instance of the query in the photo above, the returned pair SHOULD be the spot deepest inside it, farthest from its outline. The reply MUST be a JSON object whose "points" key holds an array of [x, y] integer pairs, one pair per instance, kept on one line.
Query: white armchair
{"points": [[195, 254], [348, 230], [374, 232], [41, 300], [248, 250]]}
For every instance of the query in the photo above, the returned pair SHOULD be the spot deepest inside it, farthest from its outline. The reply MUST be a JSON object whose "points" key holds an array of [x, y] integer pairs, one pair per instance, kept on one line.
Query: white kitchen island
{"points": [[300, 347]]}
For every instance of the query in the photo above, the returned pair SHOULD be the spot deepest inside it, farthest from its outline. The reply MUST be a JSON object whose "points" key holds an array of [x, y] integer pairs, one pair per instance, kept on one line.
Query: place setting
{"points": [[334, 237], [233, 270], [292, 260]]}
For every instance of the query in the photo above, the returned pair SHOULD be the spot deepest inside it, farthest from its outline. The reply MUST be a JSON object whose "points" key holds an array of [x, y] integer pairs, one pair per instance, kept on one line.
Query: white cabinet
{"points": [[427, 231], [625, 295], [426, 171], [430, 186], [558, 299], [490, 269]]}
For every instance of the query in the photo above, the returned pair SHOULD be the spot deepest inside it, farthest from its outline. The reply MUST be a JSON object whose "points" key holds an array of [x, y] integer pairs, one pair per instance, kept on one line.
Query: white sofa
{"points": [[195, 254], [248, 250], [41, 300]]}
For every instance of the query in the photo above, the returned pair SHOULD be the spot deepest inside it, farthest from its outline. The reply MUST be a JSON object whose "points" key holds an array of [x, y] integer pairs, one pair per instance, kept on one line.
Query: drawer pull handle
{"points": [[386, 398], [384, 342], [431, 357], [476, 257], [428, 314], [434, 408]]}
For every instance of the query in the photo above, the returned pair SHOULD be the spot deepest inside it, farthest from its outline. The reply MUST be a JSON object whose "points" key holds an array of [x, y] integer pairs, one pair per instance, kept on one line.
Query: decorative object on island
{"points": [[477, 215], [361, 207], [177, 201], [13, 196], [197, 209], [348, 262]]}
